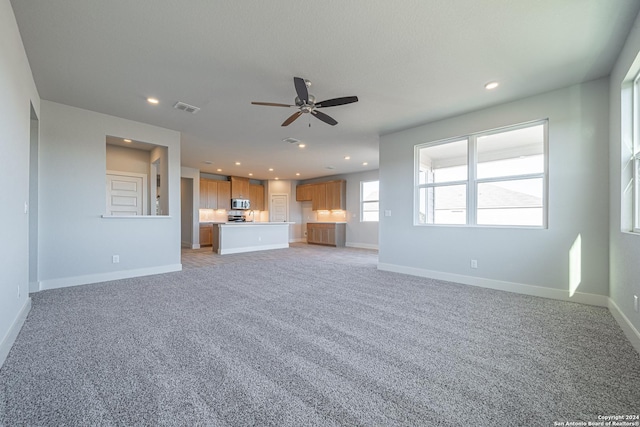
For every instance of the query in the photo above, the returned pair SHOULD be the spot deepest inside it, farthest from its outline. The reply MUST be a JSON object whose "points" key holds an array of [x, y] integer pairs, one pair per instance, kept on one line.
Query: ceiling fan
{"points": [[306, 103]]}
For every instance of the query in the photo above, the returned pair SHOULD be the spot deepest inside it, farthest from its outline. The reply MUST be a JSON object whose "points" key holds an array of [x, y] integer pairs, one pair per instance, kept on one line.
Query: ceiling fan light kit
{"points": [[306, 103]]}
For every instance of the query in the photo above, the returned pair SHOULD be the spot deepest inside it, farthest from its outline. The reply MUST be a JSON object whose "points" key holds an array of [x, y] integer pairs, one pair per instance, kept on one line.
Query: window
{"points": [[369, 201], [495, 178]]}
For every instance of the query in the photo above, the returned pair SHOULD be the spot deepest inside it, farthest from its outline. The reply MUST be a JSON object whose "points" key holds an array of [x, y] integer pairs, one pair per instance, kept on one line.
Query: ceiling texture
{"points": [[409, 62]]}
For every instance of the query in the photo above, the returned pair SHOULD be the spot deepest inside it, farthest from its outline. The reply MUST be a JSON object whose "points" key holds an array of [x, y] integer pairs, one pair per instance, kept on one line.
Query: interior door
{"points": [[125, 195], [279, 208]]}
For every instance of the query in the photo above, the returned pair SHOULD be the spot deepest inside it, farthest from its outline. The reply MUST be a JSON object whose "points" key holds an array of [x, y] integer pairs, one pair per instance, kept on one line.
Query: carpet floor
{"points": [[312, 342]]}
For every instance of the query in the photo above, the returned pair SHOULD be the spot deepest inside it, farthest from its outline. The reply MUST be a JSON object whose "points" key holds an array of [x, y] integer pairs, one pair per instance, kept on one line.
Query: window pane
{"points": [[370, 191], [443, 163], [517, 202], [371, 216], [636, 195], [370, 206], [443, 205], [516, 152]]}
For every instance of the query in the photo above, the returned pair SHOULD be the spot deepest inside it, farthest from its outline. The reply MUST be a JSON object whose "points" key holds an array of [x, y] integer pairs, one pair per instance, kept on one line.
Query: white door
{"points": [[125, 195], [279, 207]]}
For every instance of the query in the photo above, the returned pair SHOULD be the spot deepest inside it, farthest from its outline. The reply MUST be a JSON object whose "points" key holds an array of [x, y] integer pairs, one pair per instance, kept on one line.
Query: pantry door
{"points": [[126, 194], [279, 207]]}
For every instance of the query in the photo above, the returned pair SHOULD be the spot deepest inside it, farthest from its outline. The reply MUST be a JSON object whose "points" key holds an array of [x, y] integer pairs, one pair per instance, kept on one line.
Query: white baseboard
{"points": [[12, 333], [625, 324], [519, 288], [299, 240], [253, 248], [195, 246], [105, 277], [361, 245]]}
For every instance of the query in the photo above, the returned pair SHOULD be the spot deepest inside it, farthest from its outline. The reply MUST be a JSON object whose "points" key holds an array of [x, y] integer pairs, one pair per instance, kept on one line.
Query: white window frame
{"points": [[635, 160], [362, 201], [472, 181]]}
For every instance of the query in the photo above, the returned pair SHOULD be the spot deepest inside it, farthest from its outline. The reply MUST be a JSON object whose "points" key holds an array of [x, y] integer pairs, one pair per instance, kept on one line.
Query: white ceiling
{"points": [[409, 62]]}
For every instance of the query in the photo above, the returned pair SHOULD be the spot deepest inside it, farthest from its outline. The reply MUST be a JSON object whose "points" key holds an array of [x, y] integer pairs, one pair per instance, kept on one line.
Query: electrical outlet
{"points": [[474, 263], [635, 303], [115, 259]]}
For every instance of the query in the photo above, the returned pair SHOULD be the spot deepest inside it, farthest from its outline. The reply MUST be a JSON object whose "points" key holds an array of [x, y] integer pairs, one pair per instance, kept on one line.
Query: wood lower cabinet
{"points": [[206, 234], [330, 234]]}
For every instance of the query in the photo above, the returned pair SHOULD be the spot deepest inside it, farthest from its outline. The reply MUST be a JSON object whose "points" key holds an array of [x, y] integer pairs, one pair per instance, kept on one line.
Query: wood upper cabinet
{"points": [[324, 196], [319, 197], [208, 194], [239, 187], [336, 195], [304, 192], [224, 195], [256, 196]]}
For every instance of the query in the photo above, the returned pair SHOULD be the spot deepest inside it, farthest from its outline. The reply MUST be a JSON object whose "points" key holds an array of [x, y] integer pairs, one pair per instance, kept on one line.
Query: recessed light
{"points": [[302, 145], [237, 163], [250, 174], [277, 178], [219, 170], [152, 101], [491, 85], [347, 157], [270, 169], [364, 163], [127, 140], [297, 173]]}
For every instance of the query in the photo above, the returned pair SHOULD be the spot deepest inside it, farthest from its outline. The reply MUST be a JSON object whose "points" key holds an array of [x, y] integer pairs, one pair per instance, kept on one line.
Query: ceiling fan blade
{"points": [[327, 119], [301, 89], [272, 104], [337, 101], [292, 118]]}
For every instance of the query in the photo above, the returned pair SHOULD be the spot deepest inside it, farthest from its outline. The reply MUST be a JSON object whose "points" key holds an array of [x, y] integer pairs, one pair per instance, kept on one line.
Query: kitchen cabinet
{"points": [[336, 195], [256, 196], [239, 187], [208, 194], [224, 195], [215, 194], [304, 192], [319, 197], [324, 196], [329, 234], [206, 234]]}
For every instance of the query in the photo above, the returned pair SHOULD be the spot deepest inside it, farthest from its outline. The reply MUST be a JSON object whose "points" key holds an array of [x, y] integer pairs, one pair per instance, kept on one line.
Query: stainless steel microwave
{"points": [[240, 204]]}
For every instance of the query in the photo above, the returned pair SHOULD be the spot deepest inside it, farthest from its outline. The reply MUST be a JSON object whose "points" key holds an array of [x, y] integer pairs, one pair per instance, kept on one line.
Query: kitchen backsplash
{"points": [[214, 215], [331, 216]]}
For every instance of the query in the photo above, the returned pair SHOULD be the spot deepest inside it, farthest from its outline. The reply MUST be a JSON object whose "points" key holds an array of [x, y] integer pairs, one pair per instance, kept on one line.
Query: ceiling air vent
{"points": [[291, 140], [186, 107]]}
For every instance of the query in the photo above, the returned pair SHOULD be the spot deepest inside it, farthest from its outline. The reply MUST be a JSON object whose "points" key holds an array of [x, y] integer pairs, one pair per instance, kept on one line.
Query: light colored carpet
{"points": [[312, 341]]}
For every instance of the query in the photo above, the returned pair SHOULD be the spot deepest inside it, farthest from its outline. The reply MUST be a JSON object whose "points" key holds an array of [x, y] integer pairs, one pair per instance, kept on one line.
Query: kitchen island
{"points": [[237, 237]]}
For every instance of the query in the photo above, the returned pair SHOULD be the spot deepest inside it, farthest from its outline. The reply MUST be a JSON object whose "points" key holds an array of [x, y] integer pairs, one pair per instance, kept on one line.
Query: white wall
{"points": [[194, 176], [359, 234], [526, 260], [76, 243], [18, 91], [624, 278]]}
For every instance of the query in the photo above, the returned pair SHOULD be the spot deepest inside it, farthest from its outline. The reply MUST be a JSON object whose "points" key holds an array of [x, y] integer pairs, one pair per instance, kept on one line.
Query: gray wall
{"points": [[76, 242], [624, 278], [527, 259], [359, 234], [18, 90]]}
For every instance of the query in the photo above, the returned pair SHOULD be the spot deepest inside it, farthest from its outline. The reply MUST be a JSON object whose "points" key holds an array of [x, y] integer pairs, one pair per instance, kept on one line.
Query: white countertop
{"points": [[255, 223], [327, 222]]}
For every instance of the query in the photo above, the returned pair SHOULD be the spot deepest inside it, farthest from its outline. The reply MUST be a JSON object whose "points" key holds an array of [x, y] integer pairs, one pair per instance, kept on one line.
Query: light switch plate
{"points": [[387, 212]]}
